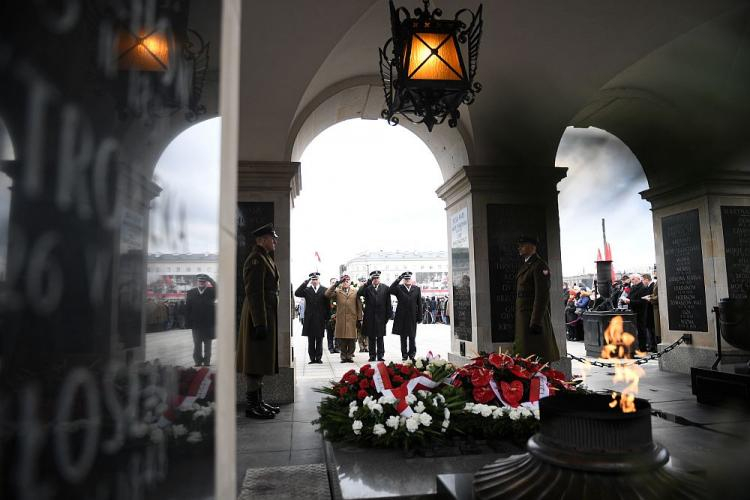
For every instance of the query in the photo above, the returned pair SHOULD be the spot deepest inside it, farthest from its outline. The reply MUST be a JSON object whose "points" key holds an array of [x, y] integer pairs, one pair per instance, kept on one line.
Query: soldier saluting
{"points": [[377, 311], [257, 353], [316, 315], [408, 313], [534, 334]]}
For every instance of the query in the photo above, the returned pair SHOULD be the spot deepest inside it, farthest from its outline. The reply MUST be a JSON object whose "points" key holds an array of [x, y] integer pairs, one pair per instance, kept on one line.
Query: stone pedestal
{"points": [[488, 208], [265, 193], [702, 238]]}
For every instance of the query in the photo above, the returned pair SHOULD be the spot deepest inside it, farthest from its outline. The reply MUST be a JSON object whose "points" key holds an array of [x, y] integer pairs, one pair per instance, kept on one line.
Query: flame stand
{"points": [[712, 385], [585, 450]]}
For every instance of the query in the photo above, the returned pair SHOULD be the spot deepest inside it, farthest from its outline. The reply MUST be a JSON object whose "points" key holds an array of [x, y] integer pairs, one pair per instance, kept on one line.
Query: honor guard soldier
{"points": [[316, 315], [257, 352], [534, 334], [377, 311], [408, 313]]}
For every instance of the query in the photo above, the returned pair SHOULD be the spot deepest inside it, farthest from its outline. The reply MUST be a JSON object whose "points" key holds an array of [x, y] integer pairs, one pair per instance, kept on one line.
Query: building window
{"points": [[187, 269], [169, 269], [199, 269], [177, 269]]}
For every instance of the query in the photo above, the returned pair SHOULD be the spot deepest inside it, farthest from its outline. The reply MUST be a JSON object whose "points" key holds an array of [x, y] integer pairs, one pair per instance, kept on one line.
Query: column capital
{"points": [[500, 179], [718, 183], [282, 176]]}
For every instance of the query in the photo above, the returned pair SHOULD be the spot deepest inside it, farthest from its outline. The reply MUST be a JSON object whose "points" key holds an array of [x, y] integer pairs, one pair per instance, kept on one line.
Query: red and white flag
{"points": [[317, 255]]}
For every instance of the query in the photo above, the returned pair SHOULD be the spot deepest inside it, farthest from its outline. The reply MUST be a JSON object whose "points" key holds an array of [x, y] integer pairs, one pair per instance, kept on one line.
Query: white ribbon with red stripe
{"points": [[385, 387], [198, 389]]}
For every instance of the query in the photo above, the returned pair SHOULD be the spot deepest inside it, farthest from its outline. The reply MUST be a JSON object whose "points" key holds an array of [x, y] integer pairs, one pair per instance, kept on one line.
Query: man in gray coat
{"points": [[316, 315], [408, 313]]}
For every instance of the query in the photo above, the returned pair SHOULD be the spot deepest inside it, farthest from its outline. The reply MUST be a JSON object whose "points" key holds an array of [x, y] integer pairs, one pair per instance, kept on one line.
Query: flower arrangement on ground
{"points": [[408, 405]]}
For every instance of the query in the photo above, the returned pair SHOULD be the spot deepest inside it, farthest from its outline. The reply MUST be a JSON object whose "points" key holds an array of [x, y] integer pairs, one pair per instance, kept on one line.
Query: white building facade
{"points": [[430, 268]]}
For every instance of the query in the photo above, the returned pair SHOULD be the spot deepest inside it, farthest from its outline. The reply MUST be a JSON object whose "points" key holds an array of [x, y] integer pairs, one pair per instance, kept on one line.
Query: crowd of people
{"points": [[632, 292]]}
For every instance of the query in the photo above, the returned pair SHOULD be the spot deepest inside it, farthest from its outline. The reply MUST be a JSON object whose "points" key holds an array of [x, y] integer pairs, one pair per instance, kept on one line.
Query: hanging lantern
{"points": [[143, 51], [424, 76]]}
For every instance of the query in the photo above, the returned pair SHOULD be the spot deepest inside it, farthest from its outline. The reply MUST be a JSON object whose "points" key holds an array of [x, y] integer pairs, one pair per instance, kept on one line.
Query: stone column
{"points": [[488, 208], [702, 239], [265, 193]]}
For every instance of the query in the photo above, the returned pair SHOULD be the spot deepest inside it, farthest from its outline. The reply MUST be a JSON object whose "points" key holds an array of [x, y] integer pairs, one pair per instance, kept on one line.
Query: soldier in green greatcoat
{"points": [[534, 334], [257, 352]]}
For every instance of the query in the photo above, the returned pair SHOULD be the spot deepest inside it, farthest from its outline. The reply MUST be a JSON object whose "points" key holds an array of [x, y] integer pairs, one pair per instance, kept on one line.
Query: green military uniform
{"points": [[261, 279], [533, 308]]}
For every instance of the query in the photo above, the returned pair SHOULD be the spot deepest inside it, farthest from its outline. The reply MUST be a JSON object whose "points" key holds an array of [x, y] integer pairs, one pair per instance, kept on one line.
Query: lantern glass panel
{"points": [[149, 52], [424, 63]]}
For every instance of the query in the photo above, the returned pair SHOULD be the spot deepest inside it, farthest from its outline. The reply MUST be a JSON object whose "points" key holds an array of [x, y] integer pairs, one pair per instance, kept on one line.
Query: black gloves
{"points": [[260, 332], [535, 329], [401, 276]]}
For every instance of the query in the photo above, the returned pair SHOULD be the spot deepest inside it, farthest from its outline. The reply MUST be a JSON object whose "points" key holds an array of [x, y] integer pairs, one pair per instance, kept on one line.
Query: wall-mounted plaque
{"points": [[736, 224], [505, 223], [683, 266], [250, 216], [461, 276]]}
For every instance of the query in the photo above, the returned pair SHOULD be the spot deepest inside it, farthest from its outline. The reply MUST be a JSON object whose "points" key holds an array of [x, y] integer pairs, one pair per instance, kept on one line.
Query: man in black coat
{"points": [[199, 315], [377, 312], [408, 313], [316, 315], [638, 305]]}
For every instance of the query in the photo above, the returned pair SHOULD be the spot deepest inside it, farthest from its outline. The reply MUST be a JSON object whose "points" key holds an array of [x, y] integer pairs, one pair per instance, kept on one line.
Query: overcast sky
{"points": [[369, 186]]}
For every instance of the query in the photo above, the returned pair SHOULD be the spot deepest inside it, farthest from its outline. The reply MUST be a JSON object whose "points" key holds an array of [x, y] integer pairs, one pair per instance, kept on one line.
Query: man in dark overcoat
{"points": [[200, 316], [377, 311], [534, 333], [316, 315], [257, 352], [408, 313]]}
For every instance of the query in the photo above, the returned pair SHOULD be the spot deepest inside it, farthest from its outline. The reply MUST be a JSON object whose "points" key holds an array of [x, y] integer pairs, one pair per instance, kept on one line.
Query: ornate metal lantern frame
{"points": [[421, 99]]}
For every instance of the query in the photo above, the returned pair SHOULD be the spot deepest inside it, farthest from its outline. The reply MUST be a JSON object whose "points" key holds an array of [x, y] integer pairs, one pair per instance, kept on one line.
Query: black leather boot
{"points": [[254, 409], [269, 407]]}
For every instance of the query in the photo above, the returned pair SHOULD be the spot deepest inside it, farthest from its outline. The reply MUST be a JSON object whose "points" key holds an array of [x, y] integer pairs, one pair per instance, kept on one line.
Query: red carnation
{"points": [[361, 394], [512, 392], [457, 382], [364, 384], [483, 394], [405, 369], [372, 384], [364, 369], [343, 390], [480, 377], [398, 379]]}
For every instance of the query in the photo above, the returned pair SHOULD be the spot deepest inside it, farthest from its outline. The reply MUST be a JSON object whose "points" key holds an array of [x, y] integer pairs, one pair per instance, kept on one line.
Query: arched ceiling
{"points": [[540, 62]]}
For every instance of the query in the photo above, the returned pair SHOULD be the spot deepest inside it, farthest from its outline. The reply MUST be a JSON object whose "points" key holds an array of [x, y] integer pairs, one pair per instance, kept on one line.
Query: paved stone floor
{"points": [[704, 439]]}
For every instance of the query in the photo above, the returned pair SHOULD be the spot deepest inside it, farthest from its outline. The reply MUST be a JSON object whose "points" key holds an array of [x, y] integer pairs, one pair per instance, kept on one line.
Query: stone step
{"points": [[308, 481]]}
